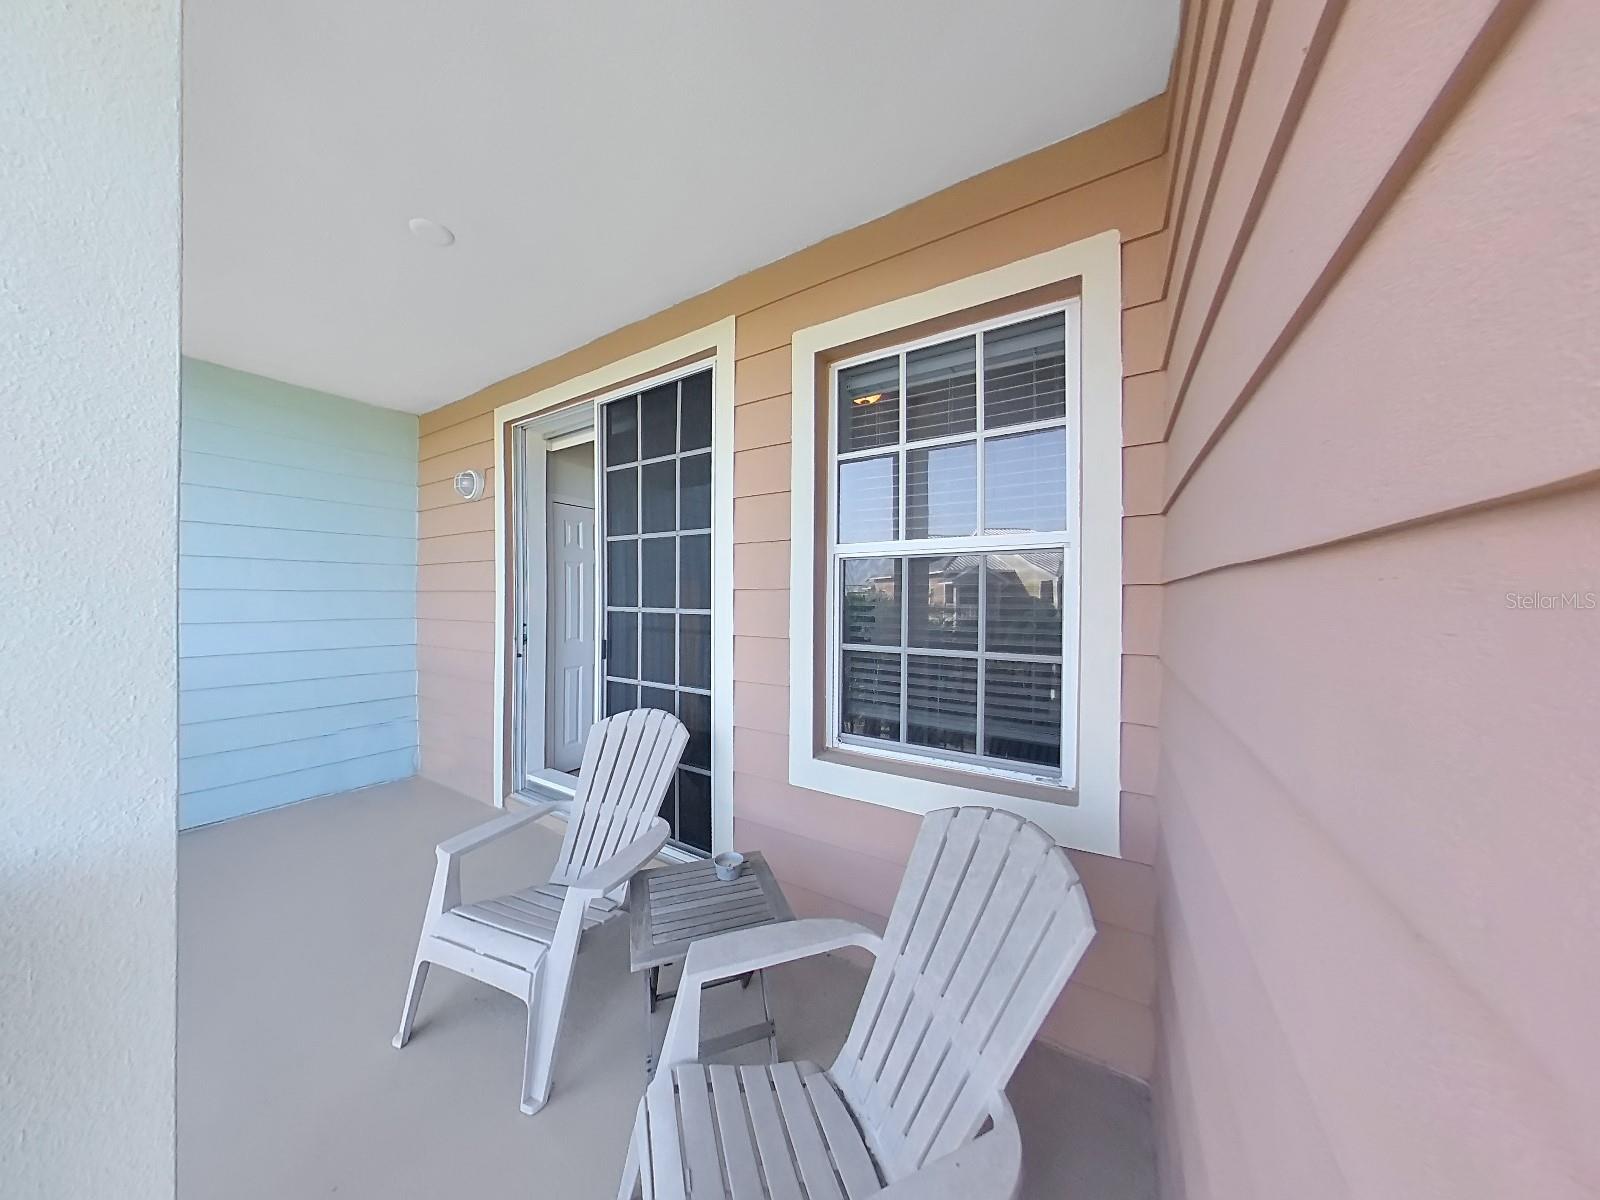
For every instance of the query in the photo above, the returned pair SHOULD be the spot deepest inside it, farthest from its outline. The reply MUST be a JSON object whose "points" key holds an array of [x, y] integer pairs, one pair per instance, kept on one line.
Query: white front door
{"points": [[570, 665]]}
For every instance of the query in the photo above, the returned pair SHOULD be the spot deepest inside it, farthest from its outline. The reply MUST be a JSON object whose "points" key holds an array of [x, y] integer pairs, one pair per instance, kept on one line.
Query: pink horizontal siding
{"points": [[1379, 903]]}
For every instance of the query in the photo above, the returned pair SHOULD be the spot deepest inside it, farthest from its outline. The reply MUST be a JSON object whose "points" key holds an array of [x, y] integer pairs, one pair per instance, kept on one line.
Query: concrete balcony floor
{"points": [[296, 930]]}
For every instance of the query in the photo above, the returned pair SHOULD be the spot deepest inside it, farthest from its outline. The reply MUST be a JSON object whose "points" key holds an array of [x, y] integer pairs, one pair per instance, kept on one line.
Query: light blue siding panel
{"points": [[218, 804], [221, 506], [234, 670], [258, 699], [262, 762], [234, 541], [270, 574], [271, 729], [208, 437], [203, 607], [257, 404], [244, 475], [266, 637], [297, 601]]}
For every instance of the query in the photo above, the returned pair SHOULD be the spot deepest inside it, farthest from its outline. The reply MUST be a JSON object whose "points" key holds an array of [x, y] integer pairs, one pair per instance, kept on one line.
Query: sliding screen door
{"points": [[656, 448]]}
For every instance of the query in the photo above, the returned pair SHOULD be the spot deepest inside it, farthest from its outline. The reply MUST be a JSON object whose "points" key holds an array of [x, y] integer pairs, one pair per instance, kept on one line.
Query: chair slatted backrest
{"points": [[989, 922], [628, 762]]}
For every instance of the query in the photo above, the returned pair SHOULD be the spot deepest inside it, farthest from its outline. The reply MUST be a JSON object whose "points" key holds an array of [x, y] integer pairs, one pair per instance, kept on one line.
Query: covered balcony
{"points": [[1164, 433]]}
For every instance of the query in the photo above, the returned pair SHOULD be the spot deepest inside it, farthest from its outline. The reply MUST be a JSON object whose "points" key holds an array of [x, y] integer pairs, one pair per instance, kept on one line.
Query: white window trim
{"points": [[715, 347], [1093, 822]]}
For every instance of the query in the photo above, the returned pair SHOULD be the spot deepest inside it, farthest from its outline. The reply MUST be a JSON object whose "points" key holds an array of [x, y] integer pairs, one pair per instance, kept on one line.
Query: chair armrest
{"points": [[596, 881], [727, 954], [987, 1168], [724, 955], [624, 864], [446, 892], [482, 835]]}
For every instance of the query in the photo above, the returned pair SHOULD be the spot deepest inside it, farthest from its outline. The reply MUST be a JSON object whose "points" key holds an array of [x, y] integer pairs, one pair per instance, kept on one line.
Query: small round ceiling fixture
{"points": [[431, 232], [469, 484]]}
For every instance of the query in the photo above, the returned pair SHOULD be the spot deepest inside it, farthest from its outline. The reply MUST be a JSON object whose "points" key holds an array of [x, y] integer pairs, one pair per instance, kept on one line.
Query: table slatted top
{"points": [[670, 908]]}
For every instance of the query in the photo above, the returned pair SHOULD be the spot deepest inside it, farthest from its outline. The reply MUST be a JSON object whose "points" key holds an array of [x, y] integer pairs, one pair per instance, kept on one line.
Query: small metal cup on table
{"points": [[671, 908]]}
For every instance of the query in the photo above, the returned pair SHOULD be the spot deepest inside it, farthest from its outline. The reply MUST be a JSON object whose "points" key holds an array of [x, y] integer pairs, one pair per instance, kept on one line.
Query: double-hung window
{"points": [[952, 574]]}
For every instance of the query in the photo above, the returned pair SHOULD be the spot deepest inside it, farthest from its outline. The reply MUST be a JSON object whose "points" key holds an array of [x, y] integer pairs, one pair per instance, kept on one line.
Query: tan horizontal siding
{"points": [[1143, 474], [759, 753], [1144, 411], [762, 423], [761, 659], [883, 833], [477, 546], [474, 667], [1143, 329], [762, 376], [1141, 757], [863, 881], [1141, 549], [761, 614], [1144, 269], [449, 717], [1141, 619], [1232, 37], [761, 472], [474, 577], [1141, 689], [761, 565], [460, 436], [457, 605], [1126, 201], [760, 706], [456, 518], [473, 708], [1106, 1028], [1112, 177], [1141, 828], [477, 456], [761, 518]]}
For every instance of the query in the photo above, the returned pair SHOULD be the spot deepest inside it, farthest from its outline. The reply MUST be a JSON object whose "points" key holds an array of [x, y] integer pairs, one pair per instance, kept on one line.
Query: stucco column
{"points": [[89, 289]]}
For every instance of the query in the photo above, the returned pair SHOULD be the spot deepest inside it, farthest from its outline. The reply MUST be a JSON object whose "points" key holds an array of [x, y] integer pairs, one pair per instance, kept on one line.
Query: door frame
{"points": [[528, 501], [713, 346]]}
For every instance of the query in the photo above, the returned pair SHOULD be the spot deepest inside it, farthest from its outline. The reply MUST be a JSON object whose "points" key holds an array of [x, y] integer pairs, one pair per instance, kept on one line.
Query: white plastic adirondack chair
{"points": [[989, 922], [526, 942]]}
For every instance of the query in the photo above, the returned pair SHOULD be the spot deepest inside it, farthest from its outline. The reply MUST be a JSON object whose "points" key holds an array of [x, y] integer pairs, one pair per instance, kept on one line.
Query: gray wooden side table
{"points": [[671, 908]]}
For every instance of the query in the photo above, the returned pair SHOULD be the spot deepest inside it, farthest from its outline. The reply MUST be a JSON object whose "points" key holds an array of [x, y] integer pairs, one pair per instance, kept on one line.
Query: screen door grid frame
{"points": [[656, 582]]}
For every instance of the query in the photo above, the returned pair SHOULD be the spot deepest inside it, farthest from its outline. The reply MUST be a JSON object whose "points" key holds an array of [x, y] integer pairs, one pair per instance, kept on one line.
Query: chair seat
{"points": [[752, 1133], [532, 912]]}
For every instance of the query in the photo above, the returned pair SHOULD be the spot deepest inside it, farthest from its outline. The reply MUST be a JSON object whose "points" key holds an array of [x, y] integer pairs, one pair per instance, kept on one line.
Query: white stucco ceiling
{"points": [[596, 161]]}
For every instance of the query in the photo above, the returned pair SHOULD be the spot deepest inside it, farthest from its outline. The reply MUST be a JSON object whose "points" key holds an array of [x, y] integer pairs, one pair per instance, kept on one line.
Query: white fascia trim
{"points": [[1093, 823], [718, 338]]}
